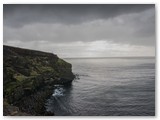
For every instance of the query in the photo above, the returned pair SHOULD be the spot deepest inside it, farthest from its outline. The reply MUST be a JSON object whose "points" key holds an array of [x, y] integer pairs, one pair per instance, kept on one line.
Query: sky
{"points": [[82, 30]]}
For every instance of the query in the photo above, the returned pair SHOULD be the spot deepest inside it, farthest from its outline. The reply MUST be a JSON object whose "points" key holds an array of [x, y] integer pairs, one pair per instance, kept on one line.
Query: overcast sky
{"points": [[82, 30]]}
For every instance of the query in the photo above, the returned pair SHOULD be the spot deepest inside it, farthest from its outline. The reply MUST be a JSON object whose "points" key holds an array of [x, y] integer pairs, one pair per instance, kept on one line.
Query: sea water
{"points": [[107, 87]]}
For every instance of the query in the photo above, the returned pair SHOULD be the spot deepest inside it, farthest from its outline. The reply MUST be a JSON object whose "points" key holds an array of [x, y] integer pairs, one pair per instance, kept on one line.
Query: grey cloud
{"points": [[18, 15], [56, 27], [133, 28]]}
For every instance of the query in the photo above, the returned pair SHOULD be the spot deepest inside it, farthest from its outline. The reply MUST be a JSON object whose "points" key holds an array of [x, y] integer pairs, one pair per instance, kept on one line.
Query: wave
{"points": [[77, 76], [58, 91]]}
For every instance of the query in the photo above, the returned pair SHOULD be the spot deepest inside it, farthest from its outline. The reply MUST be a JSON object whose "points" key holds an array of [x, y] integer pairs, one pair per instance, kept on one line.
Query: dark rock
{"points": [[29, 77], [49, 113]]}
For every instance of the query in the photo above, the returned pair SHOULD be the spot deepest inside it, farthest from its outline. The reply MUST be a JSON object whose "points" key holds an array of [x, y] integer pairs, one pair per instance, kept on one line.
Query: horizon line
{"points": [[108, 57]]}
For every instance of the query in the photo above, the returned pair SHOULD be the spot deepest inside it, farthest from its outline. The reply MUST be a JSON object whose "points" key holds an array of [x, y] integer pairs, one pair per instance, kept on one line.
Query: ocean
{"points": [[107, 87]]}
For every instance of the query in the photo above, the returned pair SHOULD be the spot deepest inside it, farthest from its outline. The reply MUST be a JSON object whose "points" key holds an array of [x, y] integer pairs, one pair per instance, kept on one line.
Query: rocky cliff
{"points": [[29, 77]]}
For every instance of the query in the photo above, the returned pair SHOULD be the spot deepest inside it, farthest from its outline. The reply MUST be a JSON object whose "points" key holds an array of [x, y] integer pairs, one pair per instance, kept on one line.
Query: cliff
{"points": [[29, 77]]}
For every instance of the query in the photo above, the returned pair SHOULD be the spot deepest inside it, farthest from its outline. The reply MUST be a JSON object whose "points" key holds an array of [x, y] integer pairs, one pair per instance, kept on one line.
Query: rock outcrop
{"points": [[29, 77]]}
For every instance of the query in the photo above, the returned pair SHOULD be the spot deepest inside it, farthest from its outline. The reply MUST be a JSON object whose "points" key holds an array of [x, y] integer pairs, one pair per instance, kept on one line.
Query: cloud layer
{"points": [[61, 25]]}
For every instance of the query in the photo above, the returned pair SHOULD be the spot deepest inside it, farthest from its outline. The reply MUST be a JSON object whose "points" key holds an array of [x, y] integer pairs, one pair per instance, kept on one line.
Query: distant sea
{"points": [[107, 87]]}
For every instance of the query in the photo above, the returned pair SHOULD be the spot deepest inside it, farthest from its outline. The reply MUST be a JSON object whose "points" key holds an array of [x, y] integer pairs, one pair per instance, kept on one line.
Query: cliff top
{"points": [[23, 51]]}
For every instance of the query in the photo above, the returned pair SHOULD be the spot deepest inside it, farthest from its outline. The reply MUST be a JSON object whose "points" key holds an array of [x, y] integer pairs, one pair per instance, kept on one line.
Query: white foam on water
{"points": [[59, 91]]}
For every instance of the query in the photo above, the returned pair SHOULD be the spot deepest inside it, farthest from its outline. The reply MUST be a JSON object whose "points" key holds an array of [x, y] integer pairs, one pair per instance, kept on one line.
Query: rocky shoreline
{"points": [[29, 77]]}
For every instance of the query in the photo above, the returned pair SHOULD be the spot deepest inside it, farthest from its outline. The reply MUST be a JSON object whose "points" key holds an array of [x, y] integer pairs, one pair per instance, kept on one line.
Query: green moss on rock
{"points": [[27, 72]]}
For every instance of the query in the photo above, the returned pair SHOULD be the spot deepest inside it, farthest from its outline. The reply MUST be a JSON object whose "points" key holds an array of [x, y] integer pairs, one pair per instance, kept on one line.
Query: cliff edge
{"points": [[29, 77]]}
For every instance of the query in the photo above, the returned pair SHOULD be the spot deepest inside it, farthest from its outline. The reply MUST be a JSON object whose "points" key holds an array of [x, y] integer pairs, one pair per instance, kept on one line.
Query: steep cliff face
{"points": [[29, 77]]}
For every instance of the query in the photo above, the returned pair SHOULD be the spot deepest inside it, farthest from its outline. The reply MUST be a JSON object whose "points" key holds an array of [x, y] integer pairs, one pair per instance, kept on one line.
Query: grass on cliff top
{"points": [[20, 77], [33, 73], [63, 63], [44, 69]]}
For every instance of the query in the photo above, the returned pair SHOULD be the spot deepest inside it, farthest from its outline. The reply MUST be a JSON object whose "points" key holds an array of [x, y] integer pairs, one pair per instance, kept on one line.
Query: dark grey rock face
{"points": [[30, 76]]}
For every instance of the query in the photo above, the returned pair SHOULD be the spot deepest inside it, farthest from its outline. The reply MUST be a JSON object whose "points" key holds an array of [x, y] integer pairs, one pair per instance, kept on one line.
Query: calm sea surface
{"points": [[108, 86]]}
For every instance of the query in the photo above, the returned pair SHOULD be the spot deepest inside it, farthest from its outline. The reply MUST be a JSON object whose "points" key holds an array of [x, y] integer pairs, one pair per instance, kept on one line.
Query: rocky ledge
{"points": [[29, 77]]}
